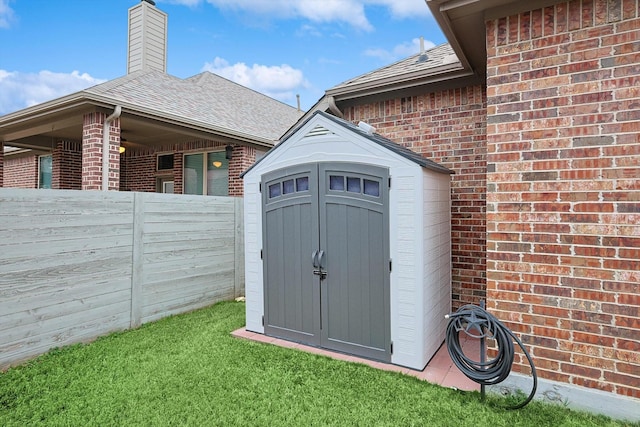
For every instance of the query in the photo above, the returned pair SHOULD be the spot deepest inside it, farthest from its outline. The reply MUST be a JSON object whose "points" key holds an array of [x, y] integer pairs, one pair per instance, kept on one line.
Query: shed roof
{"points": [[374, 137]]}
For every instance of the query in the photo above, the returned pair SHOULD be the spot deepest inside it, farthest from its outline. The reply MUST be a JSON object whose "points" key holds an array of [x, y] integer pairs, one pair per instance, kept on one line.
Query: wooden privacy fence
{"points": [[75, 265]]}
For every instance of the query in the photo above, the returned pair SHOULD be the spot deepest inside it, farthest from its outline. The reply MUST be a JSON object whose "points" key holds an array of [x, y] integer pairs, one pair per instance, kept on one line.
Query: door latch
{"points": [[321, 273], [317, 259]]}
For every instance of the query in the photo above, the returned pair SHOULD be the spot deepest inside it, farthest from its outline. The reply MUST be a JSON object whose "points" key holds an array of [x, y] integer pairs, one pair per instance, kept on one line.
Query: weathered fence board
{"points": [[75, 265]]}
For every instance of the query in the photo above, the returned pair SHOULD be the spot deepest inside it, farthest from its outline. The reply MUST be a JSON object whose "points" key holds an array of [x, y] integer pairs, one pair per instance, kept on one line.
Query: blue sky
{"points": [[51, 48]]}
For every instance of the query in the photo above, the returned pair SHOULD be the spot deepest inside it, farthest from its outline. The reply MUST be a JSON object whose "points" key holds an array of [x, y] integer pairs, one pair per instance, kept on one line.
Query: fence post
{"points": [[137, 259], [239, 247]]}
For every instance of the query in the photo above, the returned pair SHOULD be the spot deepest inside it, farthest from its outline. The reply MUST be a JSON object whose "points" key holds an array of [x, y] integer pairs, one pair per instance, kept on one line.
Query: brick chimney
{"points": [[147, 49]]}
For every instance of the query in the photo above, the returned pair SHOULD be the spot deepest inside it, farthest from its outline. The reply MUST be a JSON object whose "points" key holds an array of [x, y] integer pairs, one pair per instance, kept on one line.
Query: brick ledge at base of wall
{"points": [[575, 397]]}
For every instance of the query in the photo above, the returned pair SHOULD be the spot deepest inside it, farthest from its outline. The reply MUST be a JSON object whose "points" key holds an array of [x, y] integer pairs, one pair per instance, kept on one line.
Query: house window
{"points": [[165, 162], [165, 185], [206, 174], [44, 171]]}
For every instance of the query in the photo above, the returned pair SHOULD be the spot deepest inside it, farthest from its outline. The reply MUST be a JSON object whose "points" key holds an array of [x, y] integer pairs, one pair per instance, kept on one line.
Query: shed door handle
{"points": [[321, 259], [318, 257]]}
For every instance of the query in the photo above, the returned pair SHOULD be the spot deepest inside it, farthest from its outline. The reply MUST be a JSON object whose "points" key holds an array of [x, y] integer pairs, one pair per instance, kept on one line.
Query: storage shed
{"points": [[348, 243]]}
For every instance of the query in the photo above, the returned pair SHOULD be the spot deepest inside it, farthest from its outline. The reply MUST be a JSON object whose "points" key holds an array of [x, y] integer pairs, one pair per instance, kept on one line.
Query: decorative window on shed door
{"points": [[206, 174]]}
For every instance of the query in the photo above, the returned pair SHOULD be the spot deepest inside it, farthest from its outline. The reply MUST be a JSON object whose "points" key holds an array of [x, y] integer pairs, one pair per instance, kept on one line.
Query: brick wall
{"points": [[138, 170], [178, 161], [449, 128], [21, 172], [92, 152], [563, 199], [66, 171], [241, 160]]}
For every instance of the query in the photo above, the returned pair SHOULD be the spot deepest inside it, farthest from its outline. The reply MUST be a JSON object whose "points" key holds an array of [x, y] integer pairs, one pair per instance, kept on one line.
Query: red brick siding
{"points": [[563, 199], [114, 155], [241, 160], [92, 152], [138, 170], [21, 172], [67, 166], [178, 161], [449, 128]]}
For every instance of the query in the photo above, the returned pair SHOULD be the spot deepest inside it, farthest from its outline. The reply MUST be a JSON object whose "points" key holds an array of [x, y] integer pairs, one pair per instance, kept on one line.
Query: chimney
{"points": [[147, 40], [423, 56]]}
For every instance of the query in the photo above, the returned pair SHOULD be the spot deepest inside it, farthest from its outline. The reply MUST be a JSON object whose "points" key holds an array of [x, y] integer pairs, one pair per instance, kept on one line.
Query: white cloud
{"points": [[306, 29], [400, 51], [277, 81], [21, 90], [351, 12], [6, 14]]}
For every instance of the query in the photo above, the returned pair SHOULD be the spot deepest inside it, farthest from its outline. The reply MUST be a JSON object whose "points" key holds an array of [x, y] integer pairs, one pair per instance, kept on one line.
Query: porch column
{"points": [[92, 152], [241, 159], [177, 172]]}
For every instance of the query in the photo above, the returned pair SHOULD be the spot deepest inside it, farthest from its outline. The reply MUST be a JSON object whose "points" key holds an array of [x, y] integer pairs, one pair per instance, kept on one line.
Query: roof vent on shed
{"points": [[367, 128], [317, 131]]}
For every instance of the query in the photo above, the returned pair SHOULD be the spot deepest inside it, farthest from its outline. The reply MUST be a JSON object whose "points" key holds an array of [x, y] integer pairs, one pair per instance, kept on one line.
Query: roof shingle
{"points": [[206, 98], [437, 60]]}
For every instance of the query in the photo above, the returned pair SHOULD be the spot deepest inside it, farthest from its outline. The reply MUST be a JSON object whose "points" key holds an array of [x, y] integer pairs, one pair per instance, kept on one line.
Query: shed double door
{"points": [[326, 257]]}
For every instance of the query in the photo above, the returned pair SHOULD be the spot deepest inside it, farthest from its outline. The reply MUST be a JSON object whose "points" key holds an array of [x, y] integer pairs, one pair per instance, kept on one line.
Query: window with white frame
{"points": [[206, 174]]}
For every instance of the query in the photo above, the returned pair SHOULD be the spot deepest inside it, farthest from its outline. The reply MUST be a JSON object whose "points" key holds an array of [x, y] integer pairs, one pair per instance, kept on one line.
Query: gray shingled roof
{"points": [[376, 138], [206, 98], [439, 59]]}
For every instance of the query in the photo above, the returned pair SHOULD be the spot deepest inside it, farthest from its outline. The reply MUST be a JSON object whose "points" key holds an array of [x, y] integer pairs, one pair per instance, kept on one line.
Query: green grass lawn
{"points": [[189, 371]]}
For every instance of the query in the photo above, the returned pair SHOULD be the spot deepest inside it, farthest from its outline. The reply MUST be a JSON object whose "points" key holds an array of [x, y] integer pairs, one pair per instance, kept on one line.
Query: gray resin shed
{"points": [[347, 244]]}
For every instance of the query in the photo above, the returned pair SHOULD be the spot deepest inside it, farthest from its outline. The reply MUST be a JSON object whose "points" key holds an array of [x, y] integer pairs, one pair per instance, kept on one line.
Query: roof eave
{"points": [[440, 9], [404, 81], [463, 24], [57, 105], [176, 120], [86, 98]]}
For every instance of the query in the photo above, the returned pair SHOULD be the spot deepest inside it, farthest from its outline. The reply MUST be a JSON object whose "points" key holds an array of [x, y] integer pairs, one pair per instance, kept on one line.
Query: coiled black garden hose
{"points": [[479, 323]]}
